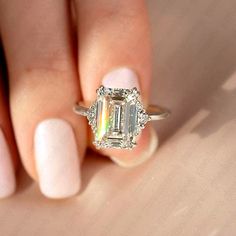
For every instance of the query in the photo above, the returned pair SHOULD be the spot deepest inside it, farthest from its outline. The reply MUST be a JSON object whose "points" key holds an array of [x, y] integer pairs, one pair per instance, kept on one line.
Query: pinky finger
{"points": [[8, 149]]}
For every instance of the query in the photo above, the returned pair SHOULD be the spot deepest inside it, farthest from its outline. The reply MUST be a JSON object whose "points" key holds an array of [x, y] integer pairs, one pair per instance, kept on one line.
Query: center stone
{"points": [[116, 121], [117, 117]]}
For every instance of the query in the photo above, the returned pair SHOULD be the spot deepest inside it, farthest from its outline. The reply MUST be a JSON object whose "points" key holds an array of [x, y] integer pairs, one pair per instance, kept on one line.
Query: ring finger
{"points": [[115, 50]]}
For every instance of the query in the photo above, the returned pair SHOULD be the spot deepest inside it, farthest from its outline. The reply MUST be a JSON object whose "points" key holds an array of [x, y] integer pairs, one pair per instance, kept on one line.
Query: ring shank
{"points": [[155, 112]]}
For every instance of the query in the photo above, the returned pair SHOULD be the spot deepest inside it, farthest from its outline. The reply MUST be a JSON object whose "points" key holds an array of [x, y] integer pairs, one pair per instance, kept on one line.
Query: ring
{"points": [[117, 117]]}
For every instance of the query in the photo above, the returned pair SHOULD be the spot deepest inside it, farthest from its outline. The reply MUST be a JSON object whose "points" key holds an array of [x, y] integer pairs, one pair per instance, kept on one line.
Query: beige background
{"points": [[189, 187]]}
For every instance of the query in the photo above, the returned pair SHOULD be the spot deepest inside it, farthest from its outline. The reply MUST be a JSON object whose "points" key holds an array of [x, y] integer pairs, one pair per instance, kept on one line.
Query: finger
{"points": [[8, 151], [43, 89], [114, 50]]}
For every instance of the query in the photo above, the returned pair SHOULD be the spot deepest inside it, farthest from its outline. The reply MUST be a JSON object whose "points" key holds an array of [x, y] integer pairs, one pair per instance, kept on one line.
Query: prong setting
{"points": [[117, 117]]}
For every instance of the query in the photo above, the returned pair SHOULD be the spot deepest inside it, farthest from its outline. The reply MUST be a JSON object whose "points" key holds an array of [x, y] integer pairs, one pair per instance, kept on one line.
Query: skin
{"points": [[46, 60]]}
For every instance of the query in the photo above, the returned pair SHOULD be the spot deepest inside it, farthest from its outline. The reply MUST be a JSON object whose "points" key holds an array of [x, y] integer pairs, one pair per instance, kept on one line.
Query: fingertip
{"points": [[7, 174], [57, 159], [145, 151], [8, 190]]}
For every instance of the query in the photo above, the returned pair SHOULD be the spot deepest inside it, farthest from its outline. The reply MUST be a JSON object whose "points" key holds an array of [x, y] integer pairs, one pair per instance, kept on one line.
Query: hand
{"points": [[49, 70]]}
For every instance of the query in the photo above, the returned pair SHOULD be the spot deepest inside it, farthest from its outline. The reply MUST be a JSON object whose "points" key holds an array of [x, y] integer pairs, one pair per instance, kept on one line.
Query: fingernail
{"points": [[145, 155], [7, 175], [57, 160], [121, 78]]}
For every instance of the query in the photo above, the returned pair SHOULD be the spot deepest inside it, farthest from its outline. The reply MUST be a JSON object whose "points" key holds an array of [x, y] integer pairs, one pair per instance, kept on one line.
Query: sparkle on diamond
{"points": [[117, 117]]}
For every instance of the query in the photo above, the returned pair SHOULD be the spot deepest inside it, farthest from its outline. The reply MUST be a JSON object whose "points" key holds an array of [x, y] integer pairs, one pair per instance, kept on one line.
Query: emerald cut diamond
{"points": [[117, 117]]}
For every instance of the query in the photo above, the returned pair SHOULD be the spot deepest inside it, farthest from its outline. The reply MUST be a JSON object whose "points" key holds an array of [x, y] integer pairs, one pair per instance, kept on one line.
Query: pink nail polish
{"points": [[121, 78], [7, 175], [57, 160]]}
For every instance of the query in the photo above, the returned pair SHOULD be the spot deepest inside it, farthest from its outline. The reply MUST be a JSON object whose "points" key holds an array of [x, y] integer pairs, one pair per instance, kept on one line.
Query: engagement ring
{"points": [[117, 117]]}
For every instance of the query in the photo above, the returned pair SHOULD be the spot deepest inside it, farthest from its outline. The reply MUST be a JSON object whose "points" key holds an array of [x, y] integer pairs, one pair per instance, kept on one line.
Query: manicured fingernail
{"points": [[121, 78], [57, 160], [145, 155], [7, 175]]}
